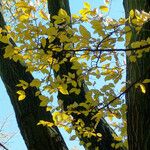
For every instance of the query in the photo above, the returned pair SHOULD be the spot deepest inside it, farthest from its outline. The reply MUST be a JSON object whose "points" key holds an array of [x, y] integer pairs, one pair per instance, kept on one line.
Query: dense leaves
{"points": [[94, 57]]}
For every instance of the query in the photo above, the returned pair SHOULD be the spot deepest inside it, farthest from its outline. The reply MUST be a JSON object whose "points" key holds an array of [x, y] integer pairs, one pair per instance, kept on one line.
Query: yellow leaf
{"points": [[143, 89], [63, 90], [131, 13], [104, 8], [22, 95], [43, 15], [48, 108], [24, 17], [87, 5], [118, 138], [21, 4], [45, 123]]}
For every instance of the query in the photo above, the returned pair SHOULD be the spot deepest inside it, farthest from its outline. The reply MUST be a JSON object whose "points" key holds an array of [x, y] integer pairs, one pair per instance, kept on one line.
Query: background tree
{"points": [[138, 121]]}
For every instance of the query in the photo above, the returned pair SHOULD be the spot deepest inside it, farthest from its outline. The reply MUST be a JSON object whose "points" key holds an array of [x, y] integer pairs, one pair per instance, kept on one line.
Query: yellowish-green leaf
{"points": [[73, 137], [43, 15], [84, 32], [146, 81], [132, 58], [36, 83], [99, 134], [131, 13], [4, 39], [104, 8], [43, 41], [52, 31], [43, 98], [56, 67], [62, 13], [23, 84]]}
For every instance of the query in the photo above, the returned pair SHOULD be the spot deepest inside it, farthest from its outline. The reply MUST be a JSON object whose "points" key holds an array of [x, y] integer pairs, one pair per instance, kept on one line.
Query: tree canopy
{"points": [[77, 57]]}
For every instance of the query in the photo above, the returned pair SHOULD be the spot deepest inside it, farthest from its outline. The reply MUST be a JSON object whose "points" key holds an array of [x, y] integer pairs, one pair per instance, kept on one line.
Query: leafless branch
{"points": [[1, 145]]}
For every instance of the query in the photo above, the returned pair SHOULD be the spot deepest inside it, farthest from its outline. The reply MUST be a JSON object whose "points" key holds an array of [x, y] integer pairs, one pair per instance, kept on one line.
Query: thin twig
{"points": [[1, 145], [100, 50], [111, 50]]}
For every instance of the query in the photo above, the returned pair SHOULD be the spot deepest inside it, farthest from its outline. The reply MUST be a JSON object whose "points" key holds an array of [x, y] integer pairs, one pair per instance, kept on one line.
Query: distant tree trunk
{"points": [[102, 127], [28, 113], [138, 120]]}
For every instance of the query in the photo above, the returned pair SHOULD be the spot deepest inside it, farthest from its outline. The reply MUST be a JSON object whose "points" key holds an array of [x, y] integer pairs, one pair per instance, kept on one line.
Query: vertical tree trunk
{"points": [[28, 113], [138, 120]]}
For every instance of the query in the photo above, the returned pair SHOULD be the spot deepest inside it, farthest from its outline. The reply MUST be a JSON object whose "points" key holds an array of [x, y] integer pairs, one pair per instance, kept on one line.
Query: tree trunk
{"points": [[138, 120], [28, 113], [102, 127]]}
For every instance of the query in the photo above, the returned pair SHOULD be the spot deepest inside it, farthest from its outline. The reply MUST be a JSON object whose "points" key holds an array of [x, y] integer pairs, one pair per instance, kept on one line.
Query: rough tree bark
{"points": [[138, 120], [28, 113]]}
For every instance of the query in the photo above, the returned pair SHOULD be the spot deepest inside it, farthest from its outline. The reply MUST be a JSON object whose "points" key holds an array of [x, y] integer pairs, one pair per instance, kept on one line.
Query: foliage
{"points": [[92, 52]]}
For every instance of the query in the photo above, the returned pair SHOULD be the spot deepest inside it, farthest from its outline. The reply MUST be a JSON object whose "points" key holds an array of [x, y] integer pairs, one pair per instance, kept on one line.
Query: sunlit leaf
{"points": [[43, 15], [63, 90], [104, 8], [143, 88], [146, 81]]}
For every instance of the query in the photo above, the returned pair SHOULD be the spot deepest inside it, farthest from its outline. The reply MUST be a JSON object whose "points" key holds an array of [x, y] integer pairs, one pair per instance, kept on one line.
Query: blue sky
{"points": [[11, 128]]}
